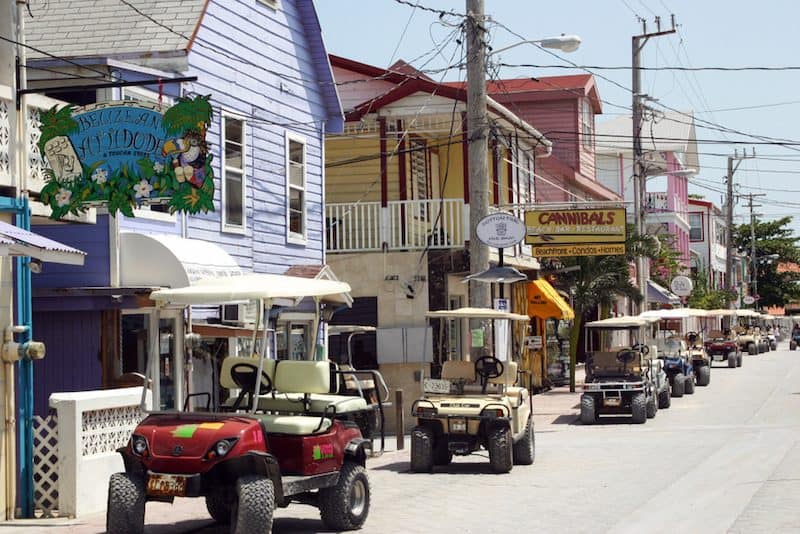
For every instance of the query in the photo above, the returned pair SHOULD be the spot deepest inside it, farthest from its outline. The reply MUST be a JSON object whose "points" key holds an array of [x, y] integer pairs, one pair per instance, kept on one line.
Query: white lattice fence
{"points": [[45, 464], [107, 430]]}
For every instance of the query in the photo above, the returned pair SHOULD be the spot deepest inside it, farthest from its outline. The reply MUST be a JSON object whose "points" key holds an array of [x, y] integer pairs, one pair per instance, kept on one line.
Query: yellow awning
{"points": [[545, 302]]}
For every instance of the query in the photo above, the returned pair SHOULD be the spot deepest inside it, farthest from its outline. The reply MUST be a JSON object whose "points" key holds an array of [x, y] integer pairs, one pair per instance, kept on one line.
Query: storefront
{"points": [[551, 323]]}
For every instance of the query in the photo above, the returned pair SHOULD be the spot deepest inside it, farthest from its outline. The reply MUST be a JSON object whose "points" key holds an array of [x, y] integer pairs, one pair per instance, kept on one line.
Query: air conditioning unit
{"points": [[238, 314]]}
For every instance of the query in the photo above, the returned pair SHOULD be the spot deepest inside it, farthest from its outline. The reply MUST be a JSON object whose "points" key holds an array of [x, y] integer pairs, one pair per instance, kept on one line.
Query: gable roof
{"points": [[89, 28]]}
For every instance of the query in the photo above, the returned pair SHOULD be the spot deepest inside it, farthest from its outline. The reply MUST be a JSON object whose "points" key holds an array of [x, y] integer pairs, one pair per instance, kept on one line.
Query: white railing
{"points": [[402, 225], [91, 426], [656, 202], [6, 134]]}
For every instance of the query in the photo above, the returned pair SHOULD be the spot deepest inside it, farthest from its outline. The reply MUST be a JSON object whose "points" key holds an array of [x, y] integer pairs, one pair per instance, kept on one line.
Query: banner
{"points": [[568, 226], [122, 154], [589, 249]]}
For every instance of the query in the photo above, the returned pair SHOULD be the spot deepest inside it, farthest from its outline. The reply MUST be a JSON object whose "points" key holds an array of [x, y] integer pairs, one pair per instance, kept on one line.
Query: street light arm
{"points": [[565, 43]]}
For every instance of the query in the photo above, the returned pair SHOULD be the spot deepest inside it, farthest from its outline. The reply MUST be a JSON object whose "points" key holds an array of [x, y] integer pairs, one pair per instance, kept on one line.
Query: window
{"points": [[233, 174], [695, 226], [587, 123], [419, 168], [296, 188]]}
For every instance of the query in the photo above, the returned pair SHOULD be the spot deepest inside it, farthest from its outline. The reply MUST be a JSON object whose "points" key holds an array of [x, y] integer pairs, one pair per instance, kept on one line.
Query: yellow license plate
{"points": [[612, 401], [458, 425], [166, 485]]}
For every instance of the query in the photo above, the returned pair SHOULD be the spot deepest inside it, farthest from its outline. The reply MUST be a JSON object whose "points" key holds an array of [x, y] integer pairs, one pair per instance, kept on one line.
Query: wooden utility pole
{"points": [[733, 165], [477, 141], [639, 171], [753, 259]]}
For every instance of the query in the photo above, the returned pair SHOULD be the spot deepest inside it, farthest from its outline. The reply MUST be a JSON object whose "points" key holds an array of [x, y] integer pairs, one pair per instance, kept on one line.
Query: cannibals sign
{"points": [[547, 228]]}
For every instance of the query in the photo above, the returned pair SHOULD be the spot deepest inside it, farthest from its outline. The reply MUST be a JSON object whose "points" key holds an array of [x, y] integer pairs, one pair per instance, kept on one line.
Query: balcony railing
{"points": [[402, 225]]}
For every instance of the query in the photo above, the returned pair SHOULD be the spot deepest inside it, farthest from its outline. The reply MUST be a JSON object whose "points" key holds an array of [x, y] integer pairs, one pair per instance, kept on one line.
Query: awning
{"points": [[662, 295], [171, 261], [545, 302], [15, 241]]}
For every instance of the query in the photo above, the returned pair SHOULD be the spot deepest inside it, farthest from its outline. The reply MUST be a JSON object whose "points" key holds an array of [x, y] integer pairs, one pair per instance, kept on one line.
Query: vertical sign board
{"points": [[125, 153], [576, 232]]}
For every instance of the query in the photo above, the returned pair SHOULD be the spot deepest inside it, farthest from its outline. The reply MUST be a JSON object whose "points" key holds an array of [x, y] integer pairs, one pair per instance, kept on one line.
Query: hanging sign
{"points": [[124, 154], [681, 285], [587, 249], [500, 230], [570, 226]]}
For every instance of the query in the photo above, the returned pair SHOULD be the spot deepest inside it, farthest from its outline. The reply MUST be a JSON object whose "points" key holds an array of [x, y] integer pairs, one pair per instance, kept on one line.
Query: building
{"points": [[707, 241]]}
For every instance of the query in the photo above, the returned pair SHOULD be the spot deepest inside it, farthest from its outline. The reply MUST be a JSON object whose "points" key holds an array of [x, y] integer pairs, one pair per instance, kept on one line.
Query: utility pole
{"points": [[753, 259], [639, 171], [477, 139], [733, 165]]}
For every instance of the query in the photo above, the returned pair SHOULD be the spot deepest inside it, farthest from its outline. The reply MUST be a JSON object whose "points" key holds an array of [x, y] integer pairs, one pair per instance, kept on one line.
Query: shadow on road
{"points": [[461, 466]]}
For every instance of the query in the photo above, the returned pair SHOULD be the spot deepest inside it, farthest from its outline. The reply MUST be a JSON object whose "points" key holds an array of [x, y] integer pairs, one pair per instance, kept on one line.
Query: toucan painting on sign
{"points": [[123, 154]]}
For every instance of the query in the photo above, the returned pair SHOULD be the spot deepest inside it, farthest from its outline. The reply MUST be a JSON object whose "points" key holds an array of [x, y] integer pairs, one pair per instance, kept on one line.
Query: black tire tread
{"points": [[703, 375], [588, 410], [254, 506], [421, 450], [218, 508], [126, 498], [638, 408], [525, 449], [664, 399], [652, 407], [500, 450], [334, 502], [678, 385]]}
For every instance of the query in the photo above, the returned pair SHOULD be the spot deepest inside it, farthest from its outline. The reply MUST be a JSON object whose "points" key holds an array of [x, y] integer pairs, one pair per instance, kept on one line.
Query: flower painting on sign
{"points": [[125, 154]]}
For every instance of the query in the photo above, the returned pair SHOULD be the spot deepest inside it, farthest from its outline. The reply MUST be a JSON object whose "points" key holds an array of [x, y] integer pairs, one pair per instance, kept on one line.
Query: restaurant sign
{"points": [[123, 154], [571, 226], [586, 249]]}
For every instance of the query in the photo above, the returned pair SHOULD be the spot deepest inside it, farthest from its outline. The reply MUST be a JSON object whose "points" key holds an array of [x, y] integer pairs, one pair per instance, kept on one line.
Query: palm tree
{"points": [[599, 281]]}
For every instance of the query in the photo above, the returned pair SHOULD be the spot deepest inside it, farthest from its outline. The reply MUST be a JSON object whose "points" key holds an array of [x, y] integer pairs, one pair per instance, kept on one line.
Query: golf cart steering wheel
{"points": [[244, 376], [641, 347], [626, 356], [488, 367], [692, 337]]}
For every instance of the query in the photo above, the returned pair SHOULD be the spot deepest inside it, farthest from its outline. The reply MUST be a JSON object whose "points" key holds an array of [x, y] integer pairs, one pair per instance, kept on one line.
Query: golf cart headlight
{"points": [[138, 444], [223, 446]]}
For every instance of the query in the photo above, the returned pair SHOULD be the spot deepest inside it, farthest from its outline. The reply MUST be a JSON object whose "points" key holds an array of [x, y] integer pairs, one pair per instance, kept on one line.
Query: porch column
{"points": [[384, 228]]}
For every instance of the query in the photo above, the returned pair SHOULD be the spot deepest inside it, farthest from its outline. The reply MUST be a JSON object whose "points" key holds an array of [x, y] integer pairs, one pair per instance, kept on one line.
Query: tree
{"points": [[771, 237], [704, 297], [598, 281]]}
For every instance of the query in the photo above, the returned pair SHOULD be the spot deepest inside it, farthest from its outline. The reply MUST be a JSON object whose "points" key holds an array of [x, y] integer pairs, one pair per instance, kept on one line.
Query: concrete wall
{"points": [[405, 376]]}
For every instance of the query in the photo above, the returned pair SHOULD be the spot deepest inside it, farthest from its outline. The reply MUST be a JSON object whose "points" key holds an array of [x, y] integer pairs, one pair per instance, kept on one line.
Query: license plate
{"points": [[612, 401], [434, 385], [166, 485], [458, 425]]}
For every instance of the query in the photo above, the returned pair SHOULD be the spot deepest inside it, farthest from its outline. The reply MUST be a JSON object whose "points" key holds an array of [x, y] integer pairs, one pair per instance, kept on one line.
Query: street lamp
{"points": [[564, 43]]}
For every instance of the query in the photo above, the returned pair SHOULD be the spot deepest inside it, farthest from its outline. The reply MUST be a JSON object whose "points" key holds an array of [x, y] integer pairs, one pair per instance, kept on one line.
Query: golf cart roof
{"points": [[721, 312], [626, 321], [336, 329], [252, 287], [676, 313], [476, 313], [746, 313]]}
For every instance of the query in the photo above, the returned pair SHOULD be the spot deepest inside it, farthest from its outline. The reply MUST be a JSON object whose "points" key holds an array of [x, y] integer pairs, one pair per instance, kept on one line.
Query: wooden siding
{"points": [[90, 238], [360, 180], [73, 357], [359, 91], [263, 88], [550, 117]]}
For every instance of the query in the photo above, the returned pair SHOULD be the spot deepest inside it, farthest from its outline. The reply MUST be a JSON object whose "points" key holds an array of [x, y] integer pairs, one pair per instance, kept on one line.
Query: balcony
{"points": [[659, 209]]}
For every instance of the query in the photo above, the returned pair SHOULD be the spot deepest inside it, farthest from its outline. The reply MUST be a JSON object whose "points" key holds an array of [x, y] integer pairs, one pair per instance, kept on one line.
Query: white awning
{"points": [[171, 261], [15, 241]]}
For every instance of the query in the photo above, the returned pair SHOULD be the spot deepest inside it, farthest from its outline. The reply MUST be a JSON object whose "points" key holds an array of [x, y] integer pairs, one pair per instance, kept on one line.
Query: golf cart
{"points": [[476, 402], [283, 438], [723, 345], [768, 331], [749, 333], [623, 374]]}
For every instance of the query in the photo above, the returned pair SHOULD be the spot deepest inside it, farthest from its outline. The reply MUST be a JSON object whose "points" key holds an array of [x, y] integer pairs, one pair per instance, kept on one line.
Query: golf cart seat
{"points": [[459, 369], [295, 425], [515, 394], [352, 382], [244, 364], [302, 387]]}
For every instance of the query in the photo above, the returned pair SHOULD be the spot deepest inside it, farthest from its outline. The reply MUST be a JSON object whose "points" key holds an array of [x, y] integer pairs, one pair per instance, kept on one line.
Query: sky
{"points": [[710, 33]]}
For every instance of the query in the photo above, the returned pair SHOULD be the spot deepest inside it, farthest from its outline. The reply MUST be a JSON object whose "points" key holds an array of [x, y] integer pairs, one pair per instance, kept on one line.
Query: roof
{"points": [[87, 28], [476, 313], [625, 321], [15, 241], [671, 131], [544, 88]]}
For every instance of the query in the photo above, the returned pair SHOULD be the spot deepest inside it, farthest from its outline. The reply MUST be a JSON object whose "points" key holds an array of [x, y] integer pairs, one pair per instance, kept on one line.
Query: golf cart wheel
{"points": [[703, 375], [500, 450], [688, 385], [652, 407], [255, 502], [793, 345], [664, 399], [638, 408], [752, 350], [125, 512], [421, 450], [588, 410], [441, 453], [525, 448], [739, 359], [345, 506], [732, 358], [678, 385], [218, 508]]}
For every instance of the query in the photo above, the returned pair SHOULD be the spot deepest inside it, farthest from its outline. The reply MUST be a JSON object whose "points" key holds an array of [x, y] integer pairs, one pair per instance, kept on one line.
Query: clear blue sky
{"points": [[711, 33]]}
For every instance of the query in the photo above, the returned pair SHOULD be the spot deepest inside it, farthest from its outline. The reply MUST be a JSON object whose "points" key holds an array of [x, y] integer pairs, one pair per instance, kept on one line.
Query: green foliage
{"points": [[704, 297], [771, 237], [56, 122], [188, 114], [665, 265]]}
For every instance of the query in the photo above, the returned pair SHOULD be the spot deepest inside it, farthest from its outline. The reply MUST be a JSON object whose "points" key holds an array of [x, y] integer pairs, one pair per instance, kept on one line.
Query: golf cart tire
{"points": [[254, 505], [638, 408], [126, 497], [703, 375], [773, 346], [588, 410], [793, 345], [441, 453], [739, 359], [218, 508], [732, 359], [525, 448], [652, 407], [664, 398], [752, 350], [500, 450], [421, 450], [678, 385], [345, 506], [688, 385]]}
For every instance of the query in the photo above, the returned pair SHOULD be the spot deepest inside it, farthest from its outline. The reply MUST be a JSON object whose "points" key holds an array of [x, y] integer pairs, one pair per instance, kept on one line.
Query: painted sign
{"points": [[124, 154], [748, 299], [500, 230], [566, 226], [681, 286], [588, 249]]}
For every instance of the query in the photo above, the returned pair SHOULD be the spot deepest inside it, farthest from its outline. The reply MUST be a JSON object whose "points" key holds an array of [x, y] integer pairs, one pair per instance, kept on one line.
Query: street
{"points": [[726, 459]]}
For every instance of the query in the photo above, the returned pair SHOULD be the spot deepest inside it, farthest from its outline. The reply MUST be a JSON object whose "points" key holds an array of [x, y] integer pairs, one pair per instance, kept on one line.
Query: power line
{"points": [[751, 68]]}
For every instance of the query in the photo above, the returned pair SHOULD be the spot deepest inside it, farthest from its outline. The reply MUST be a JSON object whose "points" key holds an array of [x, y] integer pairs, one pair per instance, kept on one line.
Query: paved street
{"points": [[726, 459]]}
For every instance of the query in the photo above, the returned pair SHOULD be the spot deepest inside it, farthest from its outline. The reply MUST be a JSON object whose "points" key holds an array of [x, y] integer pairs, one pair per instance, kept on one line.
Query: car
{"points": [[475, 404], [245, 457], [627, 379]]}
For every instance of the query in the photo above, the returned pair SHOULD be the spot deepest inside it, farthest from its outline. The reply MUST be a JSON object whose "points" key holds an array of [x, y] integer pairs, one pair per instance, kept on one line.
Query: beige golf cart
{"points": [[476, 403]]}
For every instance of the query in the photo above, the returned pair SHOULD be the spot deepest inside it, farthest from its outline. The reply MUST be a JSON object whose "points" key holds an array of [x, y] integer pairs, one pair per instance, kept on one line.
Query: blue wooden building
{"points": [[265, 66]]}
